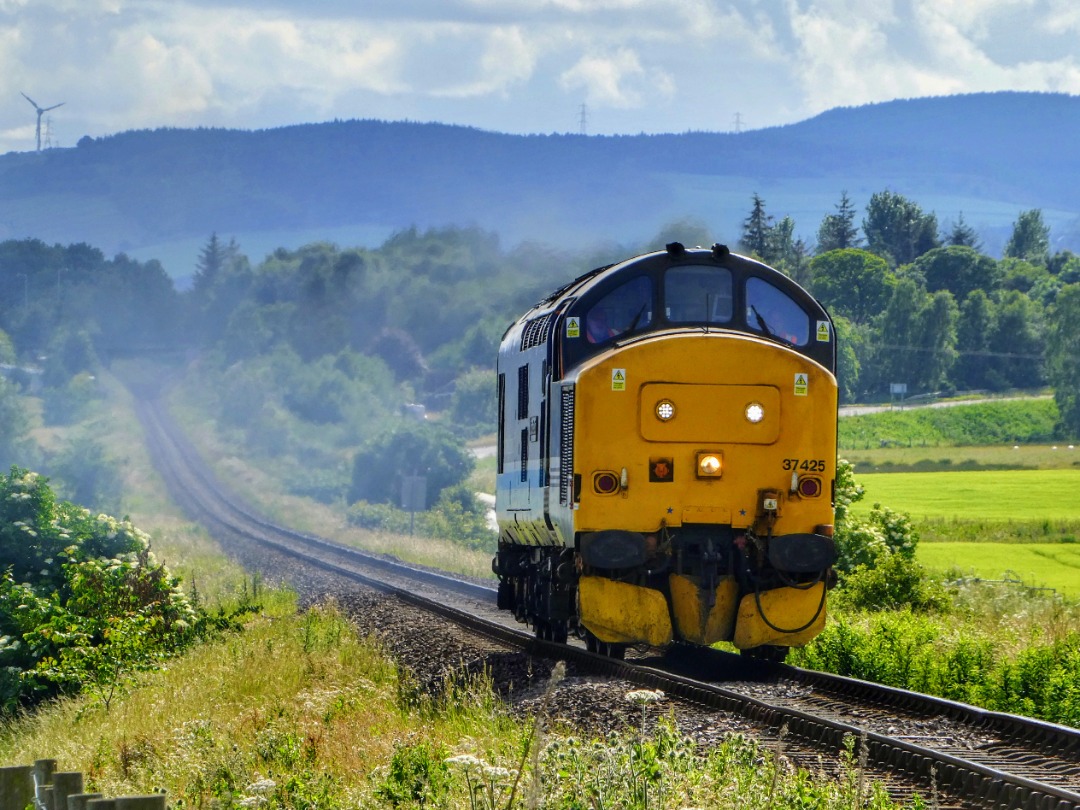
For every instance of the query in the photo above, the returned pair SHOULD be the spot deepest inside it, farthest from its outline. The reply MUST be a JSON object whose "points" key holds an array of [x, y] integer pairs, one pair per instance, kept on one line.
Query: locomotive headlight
{"points": [[665, 410], [755, 412], [709, 465]]}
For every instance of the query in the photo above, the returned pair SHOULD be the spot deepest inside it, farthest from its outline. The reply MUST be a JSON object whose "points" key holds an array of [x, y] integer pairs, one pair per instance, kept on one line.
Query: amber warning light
{"points": [[709, 465]]}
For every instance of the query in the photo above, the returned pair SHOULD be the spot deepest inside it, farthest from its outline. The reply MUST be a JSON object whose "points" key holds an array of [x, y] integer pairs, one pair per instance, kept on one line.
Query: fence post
{"points": [[43, 771], [101, 804], [77, 801], [153, 801], [64, 784], [16, 787]]}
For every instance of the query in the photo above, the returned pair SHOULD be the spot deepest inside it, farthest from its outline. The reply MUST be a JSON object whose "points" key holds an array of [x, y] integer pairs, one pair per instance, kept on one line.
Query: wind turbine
{"points": [[40, 112]]}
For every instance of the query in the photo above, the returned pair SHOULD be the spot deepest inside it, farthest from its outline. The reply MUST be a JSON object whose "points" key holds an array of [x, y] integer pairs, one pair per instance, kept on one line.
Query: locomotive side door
{"points": [[518, 437]]}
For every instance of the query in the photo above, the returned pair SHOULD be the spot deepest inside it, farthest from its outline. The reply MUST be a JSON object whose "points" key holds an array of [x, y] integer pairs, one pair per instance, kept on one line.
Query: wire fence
{"points": [[41, 787]]}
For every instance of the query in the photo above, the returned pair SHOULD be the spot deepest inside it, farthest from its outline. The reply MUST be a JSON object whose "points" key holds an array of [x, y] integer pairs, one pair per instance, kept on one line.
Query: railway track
{"points": [[964, 756]]}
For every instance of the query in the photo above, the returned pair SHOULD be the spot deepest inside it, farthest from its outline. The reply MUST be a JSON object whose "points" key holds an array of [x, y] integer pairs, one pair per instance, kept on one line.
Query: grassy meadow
{"points": [[1008, 509]]}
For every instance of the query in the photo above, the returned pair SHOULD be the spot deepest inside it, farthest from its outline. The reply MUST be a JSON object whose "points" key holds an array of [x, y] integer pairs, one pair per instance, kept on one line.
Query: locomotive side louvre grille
{"points": [[543, 451], [566, 447], [500, 449], [524, 455], [535, 332], [523, 392]]}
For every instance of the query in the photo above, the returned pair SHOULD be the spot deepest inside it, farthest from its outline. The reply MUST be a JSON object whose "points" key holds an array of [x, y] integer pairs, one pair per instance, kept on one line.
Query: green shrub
{"points": [[418, 776], [378, 517], [892, 581], [83, 602]]}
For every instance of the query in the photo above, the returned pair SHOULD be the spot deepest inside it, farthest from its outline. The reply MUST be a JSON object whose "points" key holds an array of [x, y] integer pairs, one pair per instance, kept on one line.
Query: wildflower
{"points": [[465, 760], [262, 786], [644, 696], [251, 801], [495, 773]]}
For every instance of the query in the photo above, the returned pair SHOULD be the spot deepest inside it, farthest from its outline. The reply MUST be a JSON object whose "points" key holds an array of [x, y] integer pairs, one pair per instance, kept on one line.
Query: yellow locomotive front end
{"points": [[667, 456], [710, 458]]}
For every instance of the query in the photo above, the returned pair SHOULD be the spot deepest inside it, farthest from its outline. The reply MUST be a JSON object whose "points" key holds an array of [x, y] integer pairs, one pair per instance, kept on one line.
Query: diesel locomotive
{"points": [[666, 457]]}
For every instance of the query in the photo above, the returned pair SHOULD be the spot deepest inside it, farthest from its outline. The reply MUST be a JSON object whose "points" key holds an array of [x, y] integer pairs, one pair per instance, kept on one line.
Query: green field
{"points": [[1053, 565], [978, 495]]}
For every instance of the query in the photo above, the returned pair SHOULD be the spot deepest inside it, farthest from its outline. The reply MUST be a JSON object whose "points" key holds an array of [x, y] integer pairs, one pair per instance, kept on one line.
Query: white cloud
{"points": [[618, 79]]}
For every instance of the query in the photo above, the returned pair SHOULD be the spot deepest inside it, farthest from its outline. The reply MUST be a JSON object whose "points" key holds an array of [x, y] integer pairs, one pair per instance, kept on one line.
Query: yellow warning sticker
{"points": [[618, 379], [801, 384], [573, 327], [824, 331]]}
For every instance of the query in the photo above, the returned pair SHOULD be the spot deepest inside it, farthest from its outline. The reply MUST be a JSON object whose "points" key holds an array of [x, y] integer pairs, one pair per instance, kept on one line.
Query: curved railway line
{"points": [[964, 756]]}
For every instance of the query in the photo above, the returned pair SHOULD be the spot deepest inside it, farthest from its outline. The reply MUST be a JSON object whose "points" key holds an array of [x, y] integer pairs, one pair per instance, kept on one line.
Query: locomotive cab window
{"points": [[772, 312], [627, 308], [698, 294]]}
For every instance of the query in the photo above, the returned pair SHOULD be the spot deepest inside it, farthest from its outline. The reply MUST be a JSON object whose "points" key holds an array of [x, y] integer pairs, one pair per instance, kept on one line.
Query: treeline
{"points": [[319, 356]]}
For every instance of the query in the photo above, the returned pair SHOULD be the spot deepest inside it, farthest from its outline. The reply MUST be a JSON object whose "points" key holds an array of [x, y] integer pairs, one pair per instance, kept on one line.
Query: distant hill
{"points": [[161, 193]]}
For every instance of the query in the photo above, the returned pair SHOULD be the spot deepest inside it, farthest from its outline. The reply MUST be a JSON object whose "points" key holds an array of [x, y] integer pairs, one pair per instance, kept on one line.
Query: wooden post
{"points": [[153, 801], [64, 784], [77, 801], [43, 771], [16, 787]]}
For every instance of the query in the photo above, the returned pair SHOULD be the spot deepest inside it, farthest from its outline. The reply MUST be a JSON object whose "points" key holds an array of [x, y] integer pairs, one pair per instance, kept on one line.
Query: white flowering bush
{"points": [[83, 602]]}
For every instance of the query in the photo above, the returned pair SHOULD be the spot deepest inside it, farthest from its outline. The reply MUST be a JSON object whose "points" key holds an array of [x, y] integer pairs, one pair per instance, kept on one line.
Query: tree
{"points": [[756, 230], [1017, 342], [896, 358], [14, 426], [973, 333], [414, 449], [897, 229], [853, 282], [786, 253], [963, 235], [474, 403], [1030, 239], [838, 231], [959, 270], [88, 476], [851, 344], [1063, 357], [1020, 274], [935, 333]]}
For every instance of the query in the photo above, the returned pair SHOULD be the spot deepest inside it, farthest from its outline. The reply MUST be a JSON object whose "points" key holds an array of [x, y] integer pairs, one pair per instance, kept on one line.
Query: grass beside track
{"points": [[299, 712]]}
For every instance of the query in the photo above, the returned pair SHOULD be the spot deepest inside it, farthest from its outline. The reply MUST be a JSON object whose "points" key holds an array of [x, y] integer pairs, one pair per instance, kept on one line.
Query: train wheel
{"points": [[767, 652], [608, 649], [616, 651], [555, 631]]}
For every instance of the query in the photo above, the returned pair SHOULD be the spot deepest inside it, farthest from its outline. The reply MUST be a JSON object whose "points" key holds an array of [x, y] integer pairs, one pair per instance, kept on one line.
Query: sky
{"points": [[601, 67]]}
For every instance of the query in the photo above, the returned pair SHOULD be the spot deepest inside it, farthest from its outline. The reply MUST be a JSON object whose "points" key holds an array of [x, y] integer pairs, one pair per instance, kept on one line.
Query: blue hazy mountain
{"points": [[162, 192]]}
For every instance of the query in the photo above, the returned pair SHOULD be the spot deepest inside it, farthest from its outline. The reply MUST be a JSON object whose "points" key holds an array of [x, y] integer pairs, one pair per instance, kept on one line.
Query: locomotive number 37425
{"points": [[805, 464]]}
